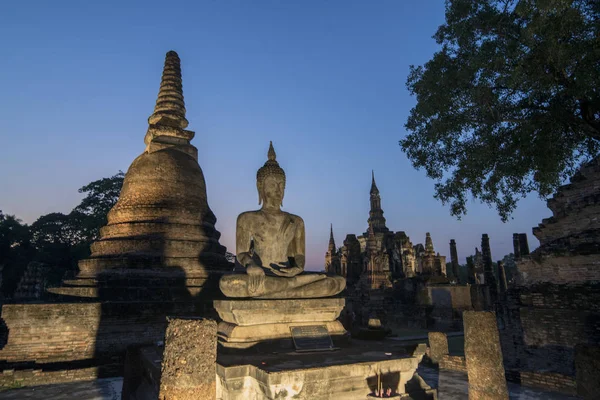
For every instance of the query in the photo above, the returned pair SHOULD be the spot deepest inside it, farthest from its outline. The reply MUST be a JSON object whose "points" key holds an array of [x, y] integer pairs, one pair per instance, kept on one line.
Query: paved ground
{"points": [[451, 385], [101, 389], [454, 385]]}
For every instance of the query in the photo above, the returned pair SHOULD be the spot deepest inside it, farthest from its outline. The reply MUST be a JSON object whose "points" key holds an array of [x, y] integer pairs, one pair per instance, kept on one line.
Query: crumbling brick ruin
{"points": [[32, 285], [555, 305]]}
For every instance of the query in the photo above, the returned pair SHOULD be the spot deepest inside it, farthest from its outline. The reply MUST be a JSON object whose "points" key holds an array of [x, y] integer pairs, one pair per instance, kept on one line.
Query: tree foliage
{"points": [[101, 196], [510, 104], [15, 251], [56, 239]]}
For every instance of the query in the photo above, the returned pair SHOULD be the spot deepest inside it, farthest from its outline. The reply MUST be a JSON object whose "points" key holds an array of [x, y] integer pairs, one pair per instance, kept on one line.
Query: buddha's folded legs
{"points": [[301, 286]]}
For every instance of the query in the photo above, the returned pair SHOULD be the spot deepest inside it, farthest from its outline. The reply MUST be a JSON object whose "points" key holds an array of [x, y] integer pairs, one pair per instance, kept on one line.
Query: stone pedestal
{"points": [[267, 323]]}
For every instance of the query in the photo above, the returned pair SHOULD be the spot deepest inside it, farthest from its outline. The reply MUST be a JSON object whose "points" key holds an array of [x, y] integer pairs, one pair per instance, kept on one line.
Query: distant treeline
{"points": [[56, 239]]}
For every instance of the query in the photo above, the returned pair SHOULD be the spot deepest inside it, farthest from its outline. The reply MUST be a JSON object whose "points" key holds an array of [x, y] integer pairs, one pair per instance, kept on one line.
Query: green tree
{"points": [[56, 239], [57, 242], [15, 251], [101, 196], [62, 240], [510, 104]]}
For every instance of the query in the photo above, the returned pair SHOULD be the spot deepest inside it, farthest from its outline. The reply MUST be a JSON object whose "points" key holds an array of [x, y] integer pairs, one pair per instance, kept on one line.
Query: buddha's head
{"points": [[270, 182]]}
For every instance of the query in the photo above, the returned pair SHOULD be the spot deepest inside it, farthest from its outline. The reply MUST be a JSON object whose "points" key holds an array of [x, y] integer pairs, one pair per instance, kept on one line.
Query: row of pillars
{"points": [[520, 246]]}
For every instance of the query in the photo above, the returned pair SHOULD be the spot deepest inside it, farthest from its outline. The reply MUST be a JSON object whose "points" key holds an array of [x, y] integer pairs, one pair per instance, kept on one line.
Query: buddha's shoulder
{"points": [[248, 215], [295, 218]]}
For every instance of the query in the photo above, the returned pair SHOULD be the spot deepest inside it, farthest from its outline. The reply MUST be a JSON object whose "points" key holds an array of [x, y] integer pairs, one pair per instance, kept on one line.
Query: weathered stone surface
{"points": [[272, 336], [552, 307], [189, 360], [305, 286], [438, 346], [254, 312], [587, 366], [273, 241], [348, 374], [484, 357], [573, 228], [247, 323]]}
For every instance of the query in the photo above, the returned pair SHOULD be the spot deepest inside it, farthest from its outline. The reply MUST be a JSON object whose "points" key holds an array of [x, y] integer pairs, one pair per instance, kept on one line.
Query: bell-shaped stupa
{"points": [[161, 226]]}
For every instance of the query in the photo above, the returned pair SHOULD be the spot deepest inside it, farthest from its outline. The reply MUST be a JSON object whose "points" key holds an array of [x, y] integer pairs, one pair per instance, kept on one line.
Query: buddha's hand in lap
{"points": [[257, 277], [288, 271]]}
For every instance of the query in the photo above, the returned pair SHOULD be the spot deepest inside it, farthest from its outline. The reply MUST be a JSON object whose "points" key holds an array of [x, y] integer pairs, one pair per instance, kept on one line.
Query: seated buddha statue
{"points": [[270, 244]]}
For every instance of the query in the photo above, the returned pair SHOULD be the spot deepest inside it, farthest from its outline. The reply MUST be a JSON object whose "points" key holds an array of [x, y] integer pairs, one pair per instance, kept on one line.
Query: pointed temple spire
{"points": [[429, 243], [331, 239], [373, 184], [170, 107], [376, 219]]}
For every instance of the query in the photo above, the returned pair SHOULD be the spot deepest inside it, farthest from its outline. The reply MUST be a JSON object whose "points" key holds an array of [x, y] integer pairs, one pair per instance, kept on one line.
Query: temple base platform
{"points": [[352, 372], [267, 324]]}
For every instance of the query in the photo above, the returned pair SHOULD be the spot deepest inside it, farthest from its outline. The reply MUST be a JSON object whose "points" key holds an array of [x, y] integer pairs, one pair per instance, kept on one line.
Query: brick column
{"points": [[189, 360], [488, 271], [454, 260]]}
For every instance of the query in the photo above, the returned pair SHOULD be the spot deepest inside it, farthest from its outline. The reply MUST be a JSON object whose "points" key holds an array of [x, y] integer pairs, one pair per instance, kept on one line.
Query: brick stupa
{"points": [[161, 230]]}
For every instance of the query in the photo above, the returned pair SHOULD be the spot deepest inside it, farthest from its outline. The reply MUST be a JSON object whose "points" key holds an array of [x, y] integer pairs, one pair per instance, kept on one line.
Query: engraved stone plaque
{"points": [[311, 338]]}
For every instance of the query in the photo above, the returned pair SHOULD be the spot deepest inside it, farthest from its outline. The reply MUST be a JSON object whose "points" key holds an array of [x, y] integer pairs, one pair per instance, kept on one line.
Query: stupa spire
{"points": [[376, 219], [373, 184], [429, 243], [170, 106], [331, 239]]}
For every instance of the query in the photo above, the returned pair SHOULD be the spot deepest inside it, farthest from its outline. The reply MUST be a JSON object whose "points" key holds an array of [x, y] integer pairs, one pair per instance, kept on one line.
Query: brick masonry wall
{"points": [[542, 324], [454, 363], [457, 297], [42, 336], [559, 269], [13, 379], [549, 381], [50, 332]]}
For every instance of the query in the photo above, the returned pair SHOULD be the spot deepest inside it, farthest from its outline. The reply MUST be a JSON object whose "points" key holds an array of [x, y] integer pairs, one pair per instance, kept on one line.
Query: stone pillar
{"points": [[454, 259], [188, 369], [488, 271], [516, 246], [483, 356], [471, 271], [438, 346], [523, 245], [502, 278]]}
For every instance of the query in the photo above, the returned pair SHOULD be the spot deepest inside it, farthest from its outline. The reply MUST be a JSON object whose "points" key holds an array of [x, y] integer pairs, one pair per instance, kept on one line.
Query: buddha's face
{"points": [[271, 191]]}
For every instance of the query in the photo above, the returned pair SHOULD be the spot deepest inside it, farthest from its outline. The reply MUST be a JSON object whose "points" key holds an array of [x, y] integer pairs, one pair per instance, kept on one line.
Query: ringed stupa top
{"points": [[170, 107]]}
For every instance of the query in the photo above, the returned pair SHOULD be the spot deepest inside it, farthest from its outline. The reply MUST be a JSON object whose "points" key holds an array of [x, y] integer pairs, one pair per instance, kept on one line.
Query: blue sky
{"points": [[324, 80]]}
